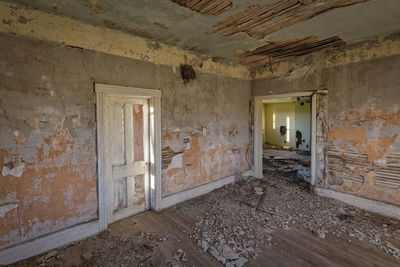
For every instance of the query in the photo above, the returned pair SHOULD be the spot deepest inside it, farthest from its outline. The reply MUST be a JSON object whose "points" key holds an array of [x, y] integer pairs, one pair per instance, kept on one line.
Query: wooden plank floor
{"points": [[289, 247]]}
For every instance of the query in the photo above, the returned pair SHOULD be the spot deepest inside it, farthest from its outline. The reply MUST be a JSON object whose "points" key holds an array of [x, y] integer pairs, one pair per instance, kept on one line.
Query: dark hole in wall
{"points": [[187, 73], [283, 130], [298, 139]]}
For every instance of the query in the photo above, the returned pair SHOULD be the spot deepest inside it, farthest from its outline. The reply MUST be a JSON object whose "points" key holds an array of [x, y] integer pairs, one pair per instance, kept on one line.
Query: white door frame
{"points": [[257, 133], [154, 97]]}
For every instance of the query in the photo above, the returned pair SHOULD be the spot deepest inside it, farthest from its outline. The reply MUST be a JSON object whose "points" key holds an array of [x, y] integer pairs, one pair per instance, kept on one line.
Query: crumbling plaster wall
{"points": [[205, 133], [360, 144], [47, 116]]}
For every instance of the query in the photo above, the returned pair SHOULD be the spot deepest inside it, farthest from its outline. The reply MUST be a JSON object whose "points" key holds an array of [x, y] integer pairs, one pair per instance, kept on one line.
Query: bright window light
{"points": [[273, 120], [287, 129]]}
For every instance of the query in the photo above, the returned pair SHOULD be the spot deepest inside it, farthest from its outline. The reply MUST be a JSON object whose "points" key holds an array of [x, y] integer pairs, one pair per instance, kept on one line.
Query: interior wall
{"points": [[282, 111], [48, 131], [361, 114], [302, 121]]}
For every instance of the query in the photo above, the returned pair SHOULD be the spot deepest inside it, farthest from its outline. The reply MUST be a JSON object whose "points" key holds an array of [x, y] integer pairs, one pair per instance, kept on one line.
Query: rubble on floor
{"points": [[291, 168], [241, 224], [104, 249], [239, 219], [293, 163]]}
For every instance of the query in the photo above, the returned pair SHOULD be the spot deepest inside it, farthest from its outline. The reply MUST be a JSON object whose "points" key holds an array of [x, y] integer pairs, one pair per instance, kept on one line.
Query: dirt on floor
{"points": [[288, 163], [275, 221]]}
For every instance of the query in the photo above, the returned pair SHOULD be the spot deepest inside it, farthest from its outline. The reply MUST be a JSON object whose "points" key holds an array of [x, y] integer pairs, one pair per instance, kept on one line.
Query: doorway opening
{"points": [[286, 128], [285, 135]]}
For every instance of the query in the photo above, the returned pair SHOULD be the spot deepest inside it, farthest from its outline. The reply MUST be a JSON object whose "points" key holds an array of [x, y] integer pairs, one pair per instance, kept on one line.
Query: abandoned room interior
{"points": [[200, 133]]}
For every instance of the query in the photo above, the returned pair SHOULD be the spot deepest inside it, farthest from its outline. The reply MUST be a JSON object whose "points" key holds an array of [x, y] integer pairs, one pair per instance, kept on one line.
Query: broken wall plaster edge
{"points": [[174, 199], [370, 205], [48, 242], [54, 28], [368, 49]]}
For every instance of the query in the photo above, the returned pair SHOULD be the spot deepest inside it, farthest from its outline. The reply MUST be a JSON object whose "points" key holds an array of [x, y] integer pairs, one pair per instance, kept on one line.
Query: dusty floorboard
{"points": [[271, 226]]}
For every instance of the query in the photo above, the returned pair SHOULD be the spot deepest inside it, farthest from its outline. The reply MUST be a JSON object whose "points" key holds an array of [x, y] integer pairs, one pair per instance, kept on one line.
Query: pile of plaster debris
{"points": [[298, 168], [240, 218]]}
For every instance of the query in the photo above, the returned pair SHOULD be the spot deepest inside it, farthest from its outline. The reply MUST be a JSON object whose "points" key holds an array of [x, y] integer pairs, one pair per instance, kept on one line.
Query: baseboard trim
{"points": [[48, 242], [174, 199], [374, 206]]}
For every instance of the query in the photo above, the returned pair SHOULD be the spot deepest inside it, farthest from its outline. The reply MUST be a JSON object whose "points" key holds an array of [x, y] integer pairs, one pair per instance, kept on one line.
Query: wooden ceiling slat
{"points": [[210, 7], [263, 19], [287, 48]]}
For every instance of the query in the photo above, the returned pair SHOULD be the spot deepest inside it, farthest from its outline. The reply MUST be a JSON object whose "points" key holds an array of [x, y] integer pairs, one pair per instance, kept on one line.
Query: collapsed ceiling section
{"points": [[226, 29], [287, 48], [211, 7], [260, 20]]}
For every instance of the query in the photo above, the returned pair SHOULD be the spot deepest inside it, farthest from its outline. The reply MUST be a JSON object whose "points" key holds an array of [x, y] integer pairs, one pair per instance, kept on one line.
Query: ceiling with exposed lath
{"points": [[246, 31]]}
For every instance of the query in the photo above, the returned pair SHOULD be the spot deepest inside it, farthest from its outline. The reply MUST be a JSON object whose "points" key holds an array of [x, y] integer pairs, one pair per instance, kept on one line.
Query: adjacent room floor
{"points": [[274, 221], [293, 163]]}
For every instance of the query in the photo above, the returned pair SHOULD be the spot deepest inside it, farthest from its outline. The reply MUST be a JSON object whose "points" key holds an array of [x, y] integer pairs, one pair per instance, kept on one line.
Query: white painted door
{"points": [[127, 157]]}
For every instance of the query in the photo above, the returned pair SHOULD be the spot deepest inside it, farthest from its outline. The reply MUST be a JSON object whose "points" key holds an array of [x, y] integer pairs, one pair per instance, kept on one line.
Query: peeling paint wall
{"points": [[47, 126], [210, 140], [48, 131], [358, 122]]}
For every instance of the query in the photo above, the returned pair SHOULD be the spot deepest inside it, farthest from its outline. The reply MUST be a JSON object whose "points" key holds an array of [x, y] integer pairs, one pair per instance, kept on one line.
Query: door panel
{"points": [[117, 134], [127, 157]]}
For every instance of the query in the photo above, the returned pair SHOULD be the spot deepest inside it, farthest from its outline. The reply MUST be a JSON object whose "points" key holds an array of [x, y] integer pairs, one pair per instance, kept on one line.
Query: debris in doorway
{"points": [[301, 171], [187, 73], [292, 164]]}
